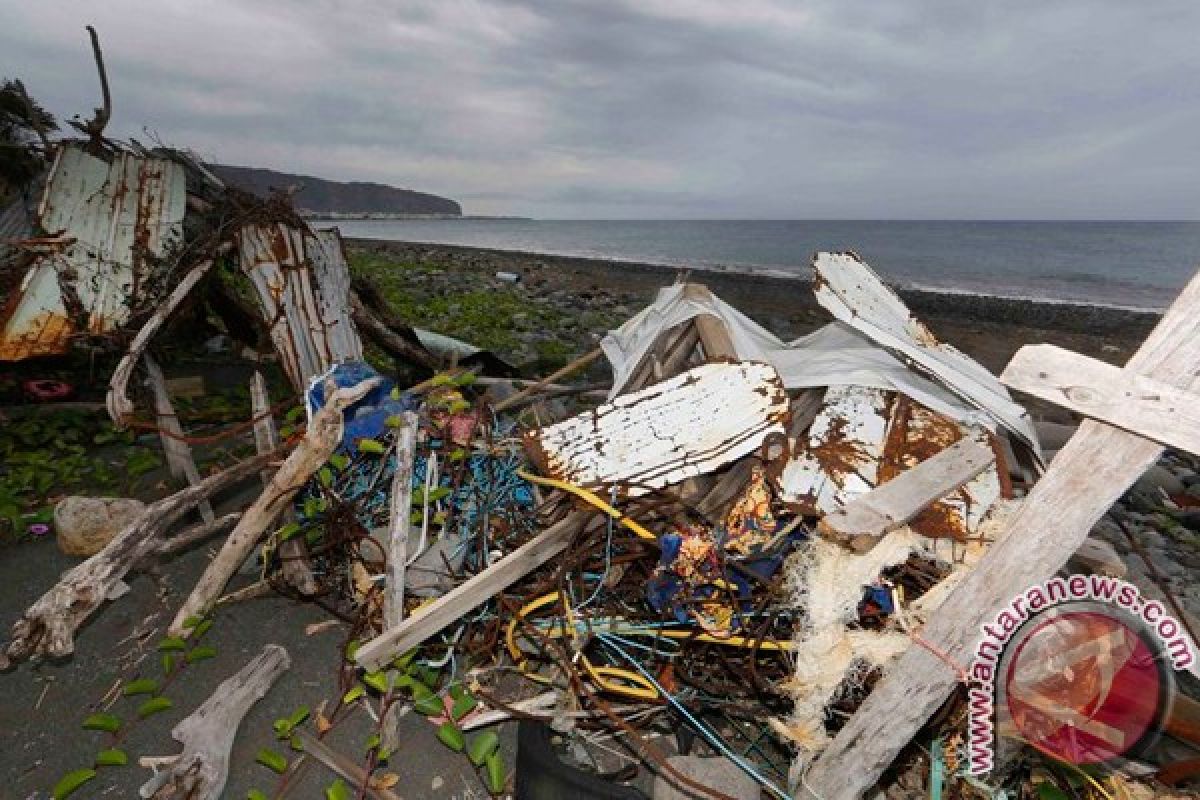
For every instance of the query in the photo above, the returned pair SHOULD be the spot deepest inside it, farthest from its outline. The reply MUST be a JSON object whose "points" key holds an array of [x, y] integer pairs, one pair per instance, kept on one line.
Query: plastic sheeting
{"points": [[835, 355]]}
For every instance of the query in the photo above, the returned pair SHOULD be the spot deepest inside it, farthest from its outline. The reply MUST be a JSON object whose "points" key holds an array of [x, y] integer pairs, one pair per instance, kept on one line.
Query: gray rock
{"points": [[83, 525], [720, 774]]}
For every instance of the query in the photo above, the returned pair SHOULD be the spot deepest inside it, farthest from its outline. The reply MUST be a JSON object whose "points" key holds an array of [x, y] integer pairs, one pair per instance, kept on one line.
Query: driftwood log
{"points": [[388, 339], [48, 626], [207, 734], [320, 440]]}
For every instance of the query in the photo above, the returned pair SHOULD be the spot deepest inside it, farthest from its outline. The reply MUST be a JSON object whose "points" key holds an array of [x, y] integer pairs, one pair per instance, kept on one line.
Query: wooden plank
{"points": [[869, 516], [1138, 403], [1089, 474], [476, 591], [574, 366], [179, 455], [401, 511]]}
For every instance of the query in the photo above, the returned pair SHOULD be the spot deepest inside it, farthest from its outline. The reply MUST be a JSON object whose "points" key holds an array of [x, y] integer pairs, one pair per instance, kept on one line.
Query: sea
{"points": [[1137, 265]]}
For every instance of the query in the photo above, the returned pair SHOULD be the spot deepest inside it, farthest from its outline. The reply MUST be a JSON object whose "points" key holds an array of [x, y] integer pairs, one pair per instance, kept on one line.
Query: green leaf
{"points": [[296, 744], [168, 663], [355, 692], [482, 746], [442, 379], [394, 421], [352, 649], [288, 531], [494, 769], [439, 493], [339, 461], [192, 621], [172, 643], [71, 781], [201, 653], [430, 705], [402, 661], [299, 715], [153, 706], [372, 742], [255, 794], [1048, 791], [338, 791], [283, 728], [102, 722], [143, 686], [294, 413], [325, 476], [371, 446], [465, 378], [377, 680], [458, 454], [462, 707], [203, 628], [451, 736], [111, 758], [272, 760]]}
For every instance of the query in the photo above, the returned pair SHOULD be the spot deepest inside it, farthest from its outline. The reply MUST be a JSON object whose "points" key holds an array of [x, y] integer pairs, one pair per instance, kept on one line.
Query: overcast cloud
{"points": [[661, 108]]}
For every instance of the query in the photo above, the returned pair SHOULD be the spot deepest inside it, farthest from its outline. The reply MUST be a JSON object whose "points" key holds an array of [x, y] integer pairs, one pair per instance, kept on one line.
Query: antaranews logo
{"points": [[1080, 667]]}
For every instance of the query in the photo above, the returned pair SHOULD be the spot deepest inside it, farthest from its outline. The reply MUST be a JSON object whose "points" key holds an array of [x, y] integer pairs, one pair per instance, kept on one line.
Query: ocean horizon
{"points": [[1124, 264]]}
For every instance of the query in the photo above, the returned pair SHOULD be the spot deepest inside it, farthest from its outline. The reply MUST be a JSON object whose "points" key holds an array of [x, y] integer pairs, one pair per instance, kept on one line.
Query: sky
{"points": [[660, 109]]}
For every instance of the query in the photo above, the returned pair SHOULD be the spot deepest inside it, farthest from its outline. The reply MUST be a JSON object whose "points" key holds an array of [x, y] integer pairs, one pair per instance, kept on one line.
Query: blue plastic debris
{"points": [[366, 419]]}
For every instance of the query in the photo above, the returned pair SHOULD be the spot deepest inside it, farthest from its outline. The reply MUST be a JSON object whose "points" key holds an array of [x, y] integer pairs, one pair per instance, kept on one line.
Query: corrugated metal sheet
{"points": [[105, 221], [685, 426], [309, 316], [840, 456]]}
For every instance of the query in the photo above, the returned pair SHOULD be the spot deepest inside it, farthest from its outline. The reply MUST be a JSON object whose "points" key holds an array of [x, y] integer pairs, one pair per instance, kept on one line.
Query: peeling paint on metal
{"points": [[839, 457], [686, 426], [309, 323], [106, 221], [851, 291]]}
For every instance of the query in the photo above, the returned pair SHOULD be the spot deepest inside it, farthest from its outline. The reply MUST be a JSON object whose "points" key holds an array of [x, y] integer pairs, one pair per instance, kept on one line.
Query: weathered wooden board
{"points": [[685, 426], [864, 519], [179, 455], [1137, 403], [1089, 474]]}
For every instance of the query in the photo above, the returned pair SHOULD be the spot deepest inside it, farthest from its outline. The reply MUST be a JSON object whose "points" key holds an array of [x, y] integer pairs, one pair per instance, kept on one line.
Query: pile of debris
{"points": [[738, 545]]}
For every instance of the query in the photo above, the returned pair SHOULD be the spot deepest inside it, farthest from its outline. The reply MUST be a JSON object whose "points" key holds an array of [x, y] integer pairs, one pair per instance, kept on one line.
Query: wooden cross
{"points": [[1132, 413]]}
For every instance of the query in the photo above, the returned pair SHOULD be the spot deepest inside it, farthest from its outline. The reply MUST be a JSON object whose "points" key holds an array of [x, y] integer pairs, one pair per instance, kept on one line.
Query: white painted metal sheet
{"points": [[854, 294], [840, 454], [106, 222], [685, 426]]}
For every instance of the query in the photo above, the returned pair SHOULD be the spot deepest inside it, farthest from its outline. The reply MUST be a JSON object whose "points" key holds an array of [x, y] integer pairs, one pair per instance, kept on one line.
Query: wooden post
{"points": [[714, 335], [207, 734], [179, 455], [1089, 474], [293, 554], [400, 514]]}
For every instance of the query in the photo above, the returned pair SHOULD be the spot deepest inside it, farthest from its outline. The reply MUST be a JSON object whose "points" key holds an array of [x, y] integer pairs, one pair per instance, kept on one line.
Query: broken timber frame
{"points": [[1088, 475], [179, 455]]}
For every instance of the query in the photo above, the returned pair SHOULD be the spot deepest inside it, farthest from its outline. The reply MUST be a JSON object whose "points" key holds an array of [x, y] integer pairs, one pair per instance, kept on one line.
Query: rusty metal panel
{"points": [[915, 434], [839, 457], [106, 222], [273, 257], [333, 284], [685, 426], [853, 293]]}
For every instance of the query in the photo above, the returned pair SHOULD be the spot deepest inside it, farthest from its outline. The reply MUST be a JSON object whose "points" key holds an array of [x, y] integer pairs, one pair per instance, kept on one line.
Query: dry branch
{"points": [[119, 406], [322, 438], [179, 455], [207, 734], [346, 767], [48, 626], [386, 338]]}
